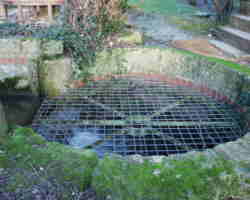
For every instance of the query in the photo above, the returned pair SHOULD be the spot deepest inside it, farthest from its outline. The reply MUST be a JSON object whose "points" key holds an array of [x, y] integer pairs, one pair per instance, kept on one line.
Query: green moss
{"points": [[46, 85], [193, 178], [26, 150], [50, 91], [131, 37]]}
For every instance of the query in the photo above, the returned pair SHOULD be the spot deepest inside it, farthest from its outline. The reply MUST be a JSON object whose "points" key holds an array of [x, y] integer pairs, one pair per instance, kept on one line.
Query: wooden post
{"points": [[50, 11], [3, 11], [36, 11], [20, 12]]}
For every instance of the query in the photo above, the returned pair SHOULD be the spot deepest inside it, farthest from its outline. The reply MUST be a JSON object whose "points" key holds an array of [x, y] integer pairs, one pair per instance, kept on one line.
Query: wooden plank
{"points": [[50, 12], [19, 13], [33, 2], [3, 11]]}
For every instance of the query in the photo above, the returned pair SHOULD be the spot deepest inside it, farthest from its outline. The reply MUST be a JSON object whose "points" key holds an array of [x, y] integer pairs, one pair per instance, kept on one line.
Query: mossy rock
{"points": [[131, 37], [54, 163], [54, 75], [194, 178]]}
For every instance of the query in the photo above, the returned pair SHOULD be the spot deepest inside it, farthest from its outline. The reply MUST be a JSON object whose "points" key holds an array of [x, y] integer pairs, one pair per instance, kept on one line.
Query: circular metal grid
{"points": [[132, 115]]}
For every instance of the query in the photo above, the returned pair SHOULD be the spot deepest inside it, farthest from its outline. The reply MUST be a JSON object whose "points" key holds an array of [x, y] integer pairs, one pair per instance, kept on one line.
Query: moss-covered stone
{"points": [[196, 177], [131, 37], [55, 75], [26, 150]]}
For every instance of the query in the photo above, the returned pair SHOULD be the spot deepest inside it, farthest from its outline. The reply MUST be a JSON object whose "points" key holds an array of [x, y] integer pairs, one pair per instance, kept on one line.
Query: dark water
{"points": [[20, 107], [138, 117]]}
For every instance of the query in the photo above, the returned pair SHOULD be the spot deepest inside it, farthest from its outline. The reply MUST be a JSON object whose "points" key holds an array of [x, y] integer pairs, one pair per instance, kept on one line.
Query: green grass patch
{"points": [[176, 12], [235, 66], [169, 7], [197, 25]]}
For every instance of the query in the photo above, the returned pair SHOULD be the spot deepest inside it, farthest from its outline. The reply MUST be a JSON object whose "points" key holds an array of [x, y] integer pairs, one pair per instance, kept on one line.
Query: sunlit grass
{"points": [[164, 7]]}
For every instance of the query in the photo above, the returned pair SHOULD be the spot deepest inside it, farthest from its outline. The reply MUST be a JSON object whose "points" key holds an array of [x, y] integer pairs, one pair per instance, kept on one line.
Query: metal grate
{"points": [[137, 116]]}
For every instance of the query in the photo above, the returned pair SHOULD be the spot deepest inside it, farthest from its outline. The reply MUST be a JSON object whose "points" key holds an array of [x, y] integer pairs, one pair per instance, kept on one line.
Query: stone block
{"points": [[131, 37], [31, 48], [18, 64], [18, 74], [55, 76], [10, 46]]}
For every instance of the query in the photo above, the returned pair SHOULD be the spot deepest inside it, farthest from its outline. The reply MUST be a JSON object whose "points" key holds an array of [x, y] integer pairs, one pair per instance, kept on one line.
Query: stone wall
{"points": [[18, 64], [245, 7], [244, 99], [30, 68]]}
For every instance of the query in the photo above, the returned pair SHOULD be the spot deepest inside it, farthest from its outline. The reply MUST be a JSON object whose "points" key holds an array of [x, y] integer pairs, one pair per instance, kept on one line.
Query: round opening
{"points": [[139, 115]]}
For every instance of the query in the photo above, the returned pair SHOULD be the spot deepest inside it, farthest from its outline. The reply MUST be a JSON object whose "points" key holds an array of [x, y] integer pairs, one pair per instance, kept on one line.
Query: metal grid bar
{"points": [[137, 116]]}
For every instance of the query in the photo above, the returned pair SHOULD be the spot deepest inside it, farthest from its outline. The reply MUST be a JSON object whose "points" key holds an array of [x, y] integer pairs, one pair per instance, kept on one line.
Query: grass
{"points": [[235, 66], [176, 13], [168, 8], [196, 25], [160, 6]]}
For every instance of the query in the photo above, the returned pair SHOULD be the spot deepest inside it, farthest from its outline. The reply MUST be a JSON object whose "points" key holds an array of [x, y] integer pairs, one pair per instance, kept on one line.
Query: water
{"points": [[19, 107], [152, 118], [83, 138]]}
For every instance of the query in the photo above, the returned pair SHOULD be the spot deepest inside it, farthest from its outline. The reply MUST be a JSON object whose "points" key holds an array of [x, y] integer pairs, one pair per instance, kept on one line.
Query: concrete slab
{"points": [[228, 49], [235, 37]]}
